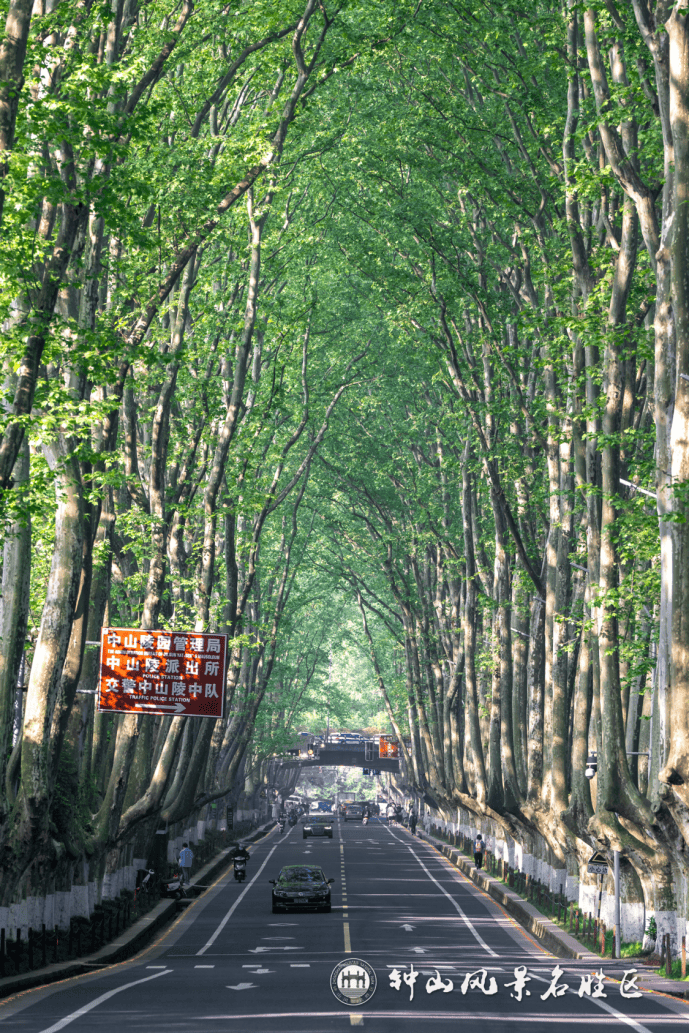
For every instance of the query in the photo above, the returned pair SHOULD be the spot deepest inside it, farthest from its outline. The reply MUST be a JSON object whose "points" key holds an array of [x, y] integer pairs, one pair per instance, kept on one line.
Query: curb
{"points": [[556, 940], [133, 938]]}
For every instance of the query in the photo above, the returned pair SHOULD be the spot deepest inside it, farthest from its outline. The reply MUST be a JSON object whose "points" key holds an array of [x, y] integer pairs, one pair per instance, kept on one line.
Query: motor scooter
{"points": [[144, 877], [364, 820], [293, 820], [281, 824], [240, 869], [172, 887]]}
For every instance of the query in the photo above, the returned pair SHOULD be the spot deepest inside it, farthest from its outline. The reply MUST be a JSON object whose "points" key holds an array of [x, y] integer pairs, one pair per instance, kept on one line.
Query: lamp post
{"points": [[591, 769]]}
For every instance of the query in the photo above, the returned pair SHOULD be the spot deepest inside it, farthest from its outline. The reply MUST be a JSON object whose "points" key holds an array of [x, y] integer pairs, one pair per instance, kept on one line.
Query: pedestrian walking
{"points": [[412, 821], [479, 847], [186, 859]]}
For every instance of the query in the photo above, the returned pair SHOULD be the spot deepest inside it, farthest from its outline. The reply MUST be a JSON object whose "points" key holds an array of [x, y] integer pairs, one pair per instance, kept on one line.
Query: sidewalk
{"points": [[132, 939], [553, 938]]}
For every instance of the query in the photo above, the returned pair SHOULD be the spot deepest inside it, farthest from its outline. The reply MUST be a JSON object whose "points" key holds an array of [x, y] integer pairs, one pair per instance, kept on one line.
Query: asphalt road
{"points": [[229, 964]]}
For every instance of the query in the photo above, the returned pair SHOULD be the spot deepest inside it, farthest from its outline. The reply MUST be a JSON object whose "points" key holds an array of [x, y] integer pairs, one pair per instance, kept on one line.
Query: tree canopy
{"points": [[358, 333]]}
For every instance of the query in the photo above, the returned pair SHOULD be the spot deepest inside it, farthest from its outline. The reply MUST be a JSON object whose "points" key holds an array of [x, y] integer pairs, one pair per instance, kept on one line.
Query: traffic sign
{"points": [[598, 864], [162, 672], [388, 747]]}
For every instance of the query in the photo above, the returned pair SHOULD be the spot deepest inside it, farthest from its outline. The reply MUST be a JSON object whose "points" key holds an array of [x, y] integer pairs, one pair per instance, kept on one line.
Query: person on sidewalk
{"points": [[479, 847], [412, 821], [186, 859]]}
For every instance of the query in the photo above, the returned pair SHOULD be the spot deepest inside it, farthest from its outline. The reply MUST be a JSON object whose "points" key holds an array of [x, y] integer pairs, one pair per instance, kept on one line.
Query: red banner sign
{"points": [[162, 672]]}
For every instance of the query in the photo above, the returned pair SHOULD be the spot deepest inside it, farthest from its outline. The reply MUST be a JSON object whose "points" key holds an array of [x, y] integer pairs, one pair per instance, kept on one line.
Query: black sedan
{"points": [[302, 886], [317, 825]]}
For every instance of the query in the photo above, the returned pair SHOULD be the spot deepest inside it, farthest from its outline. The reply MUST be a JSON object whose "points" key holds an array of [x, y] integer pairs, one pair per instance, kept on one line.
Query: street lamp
{"points": [[591, 769]]}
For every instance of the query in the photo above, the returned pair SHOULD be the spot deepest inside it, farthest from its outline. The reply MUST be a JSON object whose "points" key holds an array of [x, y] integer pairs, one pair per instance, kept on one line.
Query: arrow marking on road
{"points": [[417, 950], [408, 928], [244, 986], [262, 950]]}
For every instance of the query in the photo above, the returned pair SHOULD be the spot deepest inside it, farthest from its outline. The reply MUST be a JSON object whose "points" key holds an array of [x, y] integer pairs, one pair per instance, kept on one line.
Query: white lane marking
{"points": [[99, 1000], [498, 1018], [451, 966], [204, 966], [263, 972], [467, 922], [609, 1008], [244, 986], [156, 966], [277, 937], [619, 1015], [229, 914], [299, 965], [264, 950]]}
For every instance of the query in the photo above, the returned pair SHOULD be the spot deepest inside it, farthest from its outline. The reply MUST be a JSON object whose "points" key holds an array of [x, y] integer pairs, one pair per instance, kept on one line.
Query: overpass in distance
{"points": [[346, 755]]}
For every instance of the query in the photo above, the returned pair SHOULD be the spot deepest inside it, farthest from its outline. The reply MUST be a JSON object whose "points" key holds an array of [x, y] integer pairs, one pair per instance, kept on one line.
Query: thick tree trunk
{"points": [[469, 629], [676, 768], [14, 612]]}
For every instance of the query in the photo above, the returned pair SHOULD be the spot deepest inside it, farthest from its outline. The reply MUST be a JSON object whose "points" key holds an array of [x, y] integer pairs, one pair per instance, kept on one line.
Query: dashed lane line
{"points": [[345, 912]]}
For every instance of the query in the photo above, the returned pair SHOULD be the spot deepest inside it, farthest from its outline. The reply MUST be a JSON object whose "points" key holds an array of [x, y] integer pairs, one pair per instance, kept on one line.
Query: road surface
{"points": [[228, 964]]}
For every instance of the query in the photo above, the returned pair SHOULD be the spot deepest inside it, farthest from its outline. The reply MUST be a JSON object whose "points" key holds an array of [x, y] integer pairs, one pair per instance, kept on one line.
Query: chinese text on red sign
{"points": [[162, 672]]}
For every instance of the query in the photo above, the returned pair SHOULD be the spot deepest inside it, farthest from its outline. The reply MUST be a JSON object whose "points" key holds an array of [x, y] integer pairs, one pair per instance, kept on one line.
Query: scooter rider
{"points": [[241, 853]]}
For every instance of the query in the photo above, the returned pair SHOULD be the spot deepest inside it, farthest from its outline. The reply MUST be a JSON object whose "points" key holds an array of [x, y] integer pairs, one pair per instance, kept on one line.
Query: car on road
{"points": [[317, 825], [353, 812], [302, 886]]}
